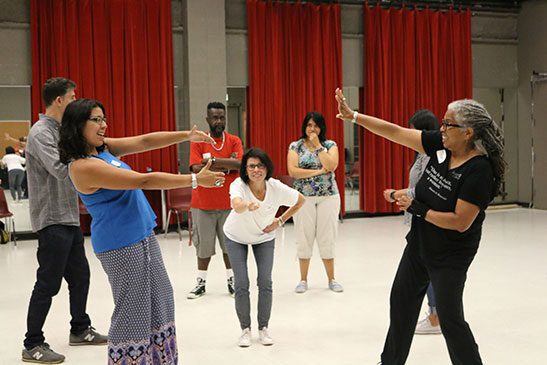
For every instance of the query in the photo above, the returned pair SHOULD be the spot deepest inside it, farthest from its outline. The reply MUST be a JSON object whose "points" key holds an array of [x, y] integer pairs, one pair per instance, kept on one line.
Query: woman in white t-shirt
{"points": [[255, 198], [16, 172]]}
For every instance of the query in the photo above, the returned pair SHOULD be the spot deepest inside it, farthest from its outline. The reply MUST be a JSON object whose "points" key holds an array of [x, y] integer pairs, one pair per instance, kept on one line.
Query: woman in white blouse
{"points": [[16, 172], [255, 198]]}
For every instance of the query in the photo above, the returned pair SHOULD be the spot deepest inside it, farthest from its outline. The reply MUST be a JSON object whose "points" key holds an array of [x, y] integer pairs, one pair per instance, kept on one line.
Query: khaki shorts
{"points": [[207, 226], [317, 220]]}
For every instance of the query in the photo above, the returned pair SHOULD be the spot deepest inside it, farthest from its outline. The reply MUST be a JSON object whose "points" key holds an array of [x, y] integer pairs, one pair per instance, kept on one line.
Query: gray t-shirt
{"points": [[52, 197], [416, 172]]}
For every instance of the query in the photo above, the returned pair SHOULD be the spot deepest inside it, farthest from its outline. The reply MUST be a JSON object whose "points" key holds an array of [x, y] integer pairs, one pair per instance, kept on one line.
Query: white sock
{"points": [[202, 274], [229, 273]]}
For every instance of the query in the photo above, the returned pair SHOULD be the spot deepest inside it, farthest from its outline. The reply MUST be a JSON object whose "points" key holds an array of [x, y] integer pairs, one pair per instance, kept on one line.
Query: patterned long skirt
{"points": [[142, 330]]}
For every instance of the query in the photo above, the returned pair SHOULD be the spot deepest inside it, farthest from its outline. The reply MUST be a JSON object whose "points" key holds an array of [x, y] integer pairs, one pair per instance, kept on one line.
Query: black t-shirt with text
{"points": [[440, 188]]}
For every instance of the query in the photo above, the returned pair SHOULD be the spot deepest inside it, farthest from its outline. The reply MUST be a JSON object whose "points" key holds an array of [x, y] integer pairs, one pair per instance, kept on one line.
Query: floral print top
{"points": [[321, 185]]}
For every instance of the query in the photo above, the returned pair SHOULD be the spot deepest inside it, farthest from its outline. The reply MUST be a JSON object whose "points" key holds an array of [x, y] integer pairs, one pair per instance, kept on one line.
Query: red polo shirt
{"points": [[215, 198]]}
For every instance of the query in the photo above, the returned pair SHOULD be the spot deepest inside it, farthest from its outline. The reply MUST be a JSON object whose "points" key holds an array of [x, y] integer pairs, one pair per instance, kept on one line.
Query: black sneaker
{"points": [[42, 354], [231, 288], [198, 291], [88, 337]]}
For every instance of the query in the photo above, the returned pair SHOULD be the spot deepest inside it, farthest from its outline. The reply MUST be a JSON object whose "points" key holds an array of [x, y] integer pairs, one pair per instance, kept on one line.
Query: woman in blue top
{"points": [[463, 175], [142, 328], [311, 161]]}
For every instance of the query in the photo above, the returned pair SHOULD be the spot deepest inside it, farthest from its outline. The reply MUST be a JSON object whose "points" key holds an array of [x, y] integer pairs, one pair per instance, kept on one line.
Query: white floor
{"points": [[20, 212], [506, 299]]}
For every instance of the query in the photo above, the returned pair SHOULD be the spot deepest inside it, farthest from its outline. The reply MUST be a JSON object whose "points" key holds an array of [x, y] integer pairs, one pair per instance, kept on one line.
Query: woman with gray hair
{"points": [[463, 175]]}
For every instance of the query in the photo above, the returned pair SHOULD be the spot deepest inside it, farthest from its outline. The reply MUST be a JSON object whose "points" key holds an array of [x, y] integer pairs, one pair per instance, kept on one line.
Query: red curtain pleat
{"points": [[295, 64], [119, 52], [414, 59]]}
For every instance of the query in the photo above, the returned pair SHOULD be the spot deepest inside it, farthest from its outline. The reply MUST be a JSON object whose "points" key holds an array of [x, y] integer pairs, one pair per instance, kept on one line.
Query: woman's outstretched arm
{"points": [[411, 138], [152, 141]]}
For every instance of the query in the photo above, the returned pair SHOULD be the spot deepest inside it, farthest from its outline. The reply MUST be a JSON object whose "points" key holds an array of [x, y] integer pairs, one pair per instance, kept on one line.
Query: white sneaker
{"points": [[302, 287], [245, 338], [336, 286], [264, 337], [424, 327]]}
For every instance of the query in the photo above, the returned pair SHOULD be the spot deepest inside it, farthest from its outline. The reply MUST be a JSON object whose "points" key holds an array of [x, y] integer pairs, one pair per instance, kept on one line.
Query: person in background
{"points": [[142, 329], [422, 120], [18, 144], [255, 197], [211, 208], [16, 173], [464, 173], [311, 161]]}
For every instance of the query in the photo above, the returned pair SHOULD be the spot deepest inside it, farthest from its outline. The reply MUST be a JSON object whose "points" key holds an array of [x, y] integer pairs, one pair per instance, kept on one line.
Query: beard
{"points": [[217, 129]]}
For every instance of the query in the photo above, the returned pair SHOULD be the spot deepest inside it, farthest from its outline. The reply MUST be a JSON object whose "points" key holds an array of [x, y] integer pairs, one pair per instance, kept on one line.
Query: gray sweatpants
{"points": [[264, 254]]}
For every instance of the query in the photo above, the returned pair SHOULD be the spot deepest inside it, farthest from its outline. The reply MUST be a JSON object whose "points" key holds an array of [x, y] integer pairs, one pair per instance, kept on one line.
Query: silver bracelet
{"points": [[354, 120]]}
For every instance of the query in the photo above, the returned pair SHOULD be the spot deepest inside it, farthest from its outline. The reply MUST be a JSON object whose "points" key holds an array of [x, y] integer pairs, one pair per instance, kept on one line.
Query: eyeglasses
{"points": [[259, 166], [98, 120], [446, 124]]}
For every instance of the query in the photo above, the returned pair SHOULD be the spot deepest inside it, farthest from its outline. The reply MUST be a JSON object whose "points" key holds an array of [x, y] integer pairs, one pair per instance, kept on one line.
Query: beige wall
{"points": [[532, 56]]}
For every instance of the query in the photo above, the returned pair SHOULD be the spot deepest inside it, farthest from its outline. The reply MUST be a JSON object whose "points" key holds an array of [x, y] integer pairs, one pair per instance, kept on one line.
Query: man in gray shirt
{"points": [[54, 215]]}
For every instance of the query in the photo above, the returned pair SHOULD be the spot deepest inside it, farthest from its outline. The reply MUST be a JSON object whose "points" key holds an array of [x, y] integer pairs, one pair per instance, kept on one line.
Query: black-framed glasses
{"points": [[259, 166], [446, 124], [98, 120]]}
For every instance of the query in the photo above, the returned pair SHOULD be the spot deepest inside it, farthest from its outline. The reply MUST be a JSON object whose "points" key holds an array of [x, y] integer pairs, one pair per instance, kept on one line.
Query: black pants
{"points": [[60, 255], [407, 294]]}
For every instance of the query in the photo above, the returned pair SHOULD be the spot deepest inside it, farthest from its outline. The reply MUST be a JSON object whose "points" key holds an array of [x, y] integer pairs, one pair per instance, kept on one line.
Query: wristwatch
{"points": [[194, 181]]}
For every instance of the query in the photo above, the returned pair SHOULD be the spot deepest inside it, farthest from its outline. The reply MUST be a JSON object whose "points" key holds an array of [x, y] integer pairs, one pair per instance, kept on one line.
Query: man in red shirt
{"points": [[210, 207]]}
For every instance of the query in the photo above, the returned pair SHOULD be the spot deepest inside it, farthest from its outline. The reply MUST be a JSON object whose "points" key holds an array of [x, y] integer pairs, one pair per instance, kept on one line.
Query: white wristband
{"points": [[354, 120]]}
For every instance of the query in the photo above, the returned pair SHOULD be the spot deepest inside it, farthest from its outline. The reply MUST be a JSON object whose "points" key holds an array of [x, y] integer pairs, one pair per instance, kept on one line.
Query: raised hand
{"points": [[208, 179], [314, 140], [196, 135], [344, 111]]}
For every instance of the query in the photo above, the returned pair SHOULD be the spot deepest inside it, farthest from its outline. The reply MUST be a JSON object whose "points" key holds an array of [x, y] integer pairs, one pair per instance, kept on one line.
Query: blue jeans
{"points": [[15, 178], [431, 299], [264, 254]]}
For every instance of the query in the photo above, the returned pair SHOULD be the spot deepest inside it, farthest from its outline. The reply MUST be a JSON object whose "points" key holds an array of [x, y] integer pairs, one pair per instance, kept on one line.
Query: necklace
{"points": [[222, 145]]}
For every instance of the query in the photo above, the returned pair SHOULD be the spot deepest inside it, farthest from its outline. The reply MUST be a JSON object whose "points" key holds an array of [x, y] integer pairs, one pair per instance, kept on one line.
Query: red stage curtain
{"points": [[414, 59], [119, 52], [295, 64]]}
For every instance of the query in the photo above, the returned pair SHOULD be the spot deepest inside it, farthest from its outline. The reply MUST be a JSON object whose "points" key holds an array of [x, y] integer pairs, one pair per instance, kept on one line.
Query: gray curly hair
{"points": [[487, 136]]}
